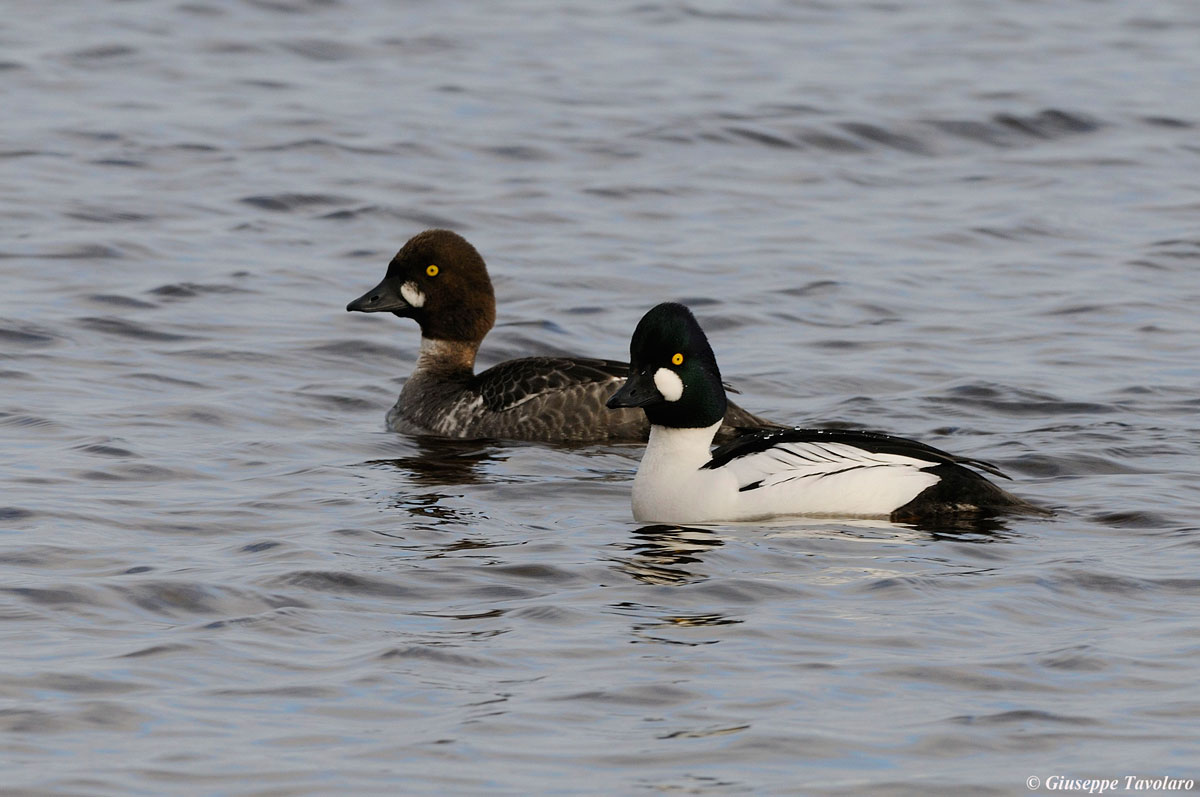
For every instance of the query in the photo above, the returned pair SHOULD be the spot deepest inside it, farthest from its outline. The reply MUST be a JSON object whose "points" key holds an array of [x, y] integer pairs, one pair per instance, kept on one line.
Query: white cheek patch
{"points": [[668, 383], [412, 294]]}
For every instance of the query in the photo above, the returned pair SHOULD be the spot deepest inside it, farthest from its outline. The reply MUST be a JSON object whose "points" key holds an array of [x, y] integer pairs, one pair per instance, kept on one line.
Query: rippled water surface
{"points": [[973, 223]]}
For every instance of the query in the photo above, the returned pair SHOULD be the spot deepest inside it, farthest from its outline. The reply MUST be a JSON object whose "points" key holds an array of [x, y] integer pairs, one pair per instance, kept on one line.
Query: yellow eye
{"points": [[432, 271], [677, 359]]}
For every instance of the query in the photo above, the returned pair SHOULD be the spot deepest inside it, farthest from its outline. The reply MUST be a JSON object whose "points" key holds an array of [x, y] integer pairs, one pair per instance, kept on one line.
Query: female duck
{"points": [[441, 282], [673, 377]]}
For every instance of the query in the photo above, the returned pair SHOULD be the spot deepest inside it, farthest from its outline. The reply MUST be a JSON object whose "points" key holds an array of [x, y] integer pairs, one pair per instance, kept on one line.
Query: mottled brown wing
{"points": [[515, 382]]}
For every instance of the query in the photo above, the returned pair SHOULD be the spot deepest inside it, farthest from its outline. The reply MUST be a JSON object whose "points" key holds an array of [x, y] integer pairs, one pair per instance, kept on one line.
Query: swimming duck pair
{"points": [[672, 389]]}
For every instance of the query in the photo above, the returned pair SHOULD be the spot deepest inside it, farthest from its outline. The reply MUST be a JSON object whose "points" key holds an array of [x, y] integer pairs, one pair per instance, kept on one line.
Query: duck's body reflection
{"points": [[445, 461], [663, 554]]}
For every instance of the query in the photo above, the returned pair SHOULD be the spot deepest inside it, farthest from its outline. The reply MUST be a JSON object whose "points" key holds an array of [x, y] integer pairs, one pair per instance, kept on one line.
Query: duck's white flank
{"points": [[825, 479]]}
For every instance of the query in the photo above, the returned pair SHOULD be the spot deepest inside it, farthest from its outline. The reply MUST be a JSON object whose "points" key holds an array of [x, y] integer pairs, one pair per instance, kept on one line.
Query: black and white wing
{"points": [[815, 471], [775, 458], [797, 462]]}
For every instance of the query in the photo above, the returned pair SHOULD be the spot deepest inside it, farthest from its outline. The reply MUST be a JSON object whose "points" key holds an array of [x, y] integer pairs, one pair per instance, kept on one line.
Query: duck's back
{"points": [[543, 399]]}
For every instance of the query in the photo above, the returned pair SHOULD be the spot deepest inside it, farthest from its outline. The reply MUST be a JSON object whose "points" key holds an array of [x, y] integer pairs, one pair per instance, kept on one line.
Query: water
{"points": [[970, 223]]}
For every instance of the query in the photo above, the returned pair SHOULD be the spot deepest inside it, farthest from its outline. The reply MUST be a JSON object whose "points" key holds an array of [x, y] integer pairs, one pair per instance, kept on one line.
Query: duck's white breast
{"points": [[671, 487]]}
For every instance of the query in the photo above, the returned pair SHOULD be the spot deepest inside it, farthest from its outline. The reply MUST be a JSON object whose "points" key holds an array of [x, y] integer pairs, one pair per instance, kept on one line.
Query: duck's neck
{"points": [[446, 358], [670, 486], [682, 448]]}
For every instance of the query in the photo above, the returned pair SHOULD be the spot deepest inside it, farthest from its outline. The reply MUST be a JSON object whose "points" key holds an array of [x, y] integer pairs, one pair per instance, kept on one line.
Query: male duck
{"points": [[673, 377], [441, 282]]}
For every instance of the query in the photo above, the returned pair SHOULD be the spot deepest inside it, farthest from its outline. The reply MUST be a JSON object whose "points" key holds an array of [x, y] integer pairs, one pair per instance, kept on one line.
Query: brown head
{"points": [[440, 281]]}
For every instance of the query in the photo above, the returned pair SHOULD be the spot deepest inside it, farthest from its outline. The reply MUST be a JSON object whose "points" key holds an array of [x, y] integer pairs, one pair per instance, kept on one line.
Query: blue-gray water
{"points": [[974, 223]]}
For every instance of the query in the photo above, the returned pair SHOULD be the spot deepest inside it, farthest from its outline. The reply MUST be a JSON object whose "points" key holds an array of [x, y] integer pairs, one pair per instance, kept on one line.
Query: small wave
{"points": [[103, 52], [9, 514], [81, 252], [437, 654], [23, 333], [116, 300], [258, 547], [105, 450], [1170, 254], [232, 355], [639, 696], [428, 43], [318, 144], [335, 581], [1023, 717], [66, 718], [1015, 402], [51, 596], [1050, 123], [102, 216], [136, 472], [764, 137], [536, 572], [305, 692], [26, 153], [830, 141], [792, 129], [519, 152], [628, 191], [288, 202], [1044, 465], [130, 329], [320, 49], [1167, 121], [422, 218], [357, 350], [158, 650], [166, 380], [188, 290], [887, 138], [29, 421], [1113, 584], [814, 288], [336, 402], [175, 597], [1134, 519]]}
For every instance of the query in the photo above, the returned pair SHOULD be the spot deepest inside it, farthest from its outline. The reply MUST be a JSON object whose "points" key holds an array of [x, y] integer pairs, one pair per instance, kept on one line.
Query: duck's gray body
{"points": [[558, 399]]}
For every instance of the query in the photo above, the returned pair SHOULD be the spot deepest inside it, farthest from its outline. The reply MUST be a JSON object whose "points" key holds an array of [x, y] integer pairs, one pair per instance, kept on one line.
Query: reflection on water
{"points": [[444, 462], [665, 554]]}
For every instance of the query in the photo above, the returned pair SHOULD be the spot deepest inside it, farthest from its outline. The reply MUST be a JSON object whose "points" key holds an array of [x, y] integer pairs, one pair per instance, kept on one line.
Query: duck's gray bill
{"points": [[638, 391], [380, 299]]}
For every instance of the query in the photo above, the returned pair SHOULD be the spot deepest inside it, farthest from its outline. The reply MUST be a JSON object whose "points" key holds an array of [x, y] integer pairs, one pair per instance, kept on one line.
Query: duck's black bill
{"points": [[638, 391], [380, 299]]}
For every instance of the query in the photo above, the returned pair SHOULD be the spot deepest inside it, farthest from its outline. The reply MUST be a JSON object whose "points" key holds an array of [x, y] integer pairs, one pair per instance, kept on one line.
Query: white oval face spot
{"points": [[412, 294], [668, 383]]}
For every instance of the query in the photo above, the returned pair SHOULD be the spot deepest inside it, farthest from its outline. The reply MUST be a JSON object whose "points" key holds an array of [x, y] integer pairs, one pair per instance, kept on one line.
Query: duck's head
{"points": [[673, 374], [440, 281]]}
